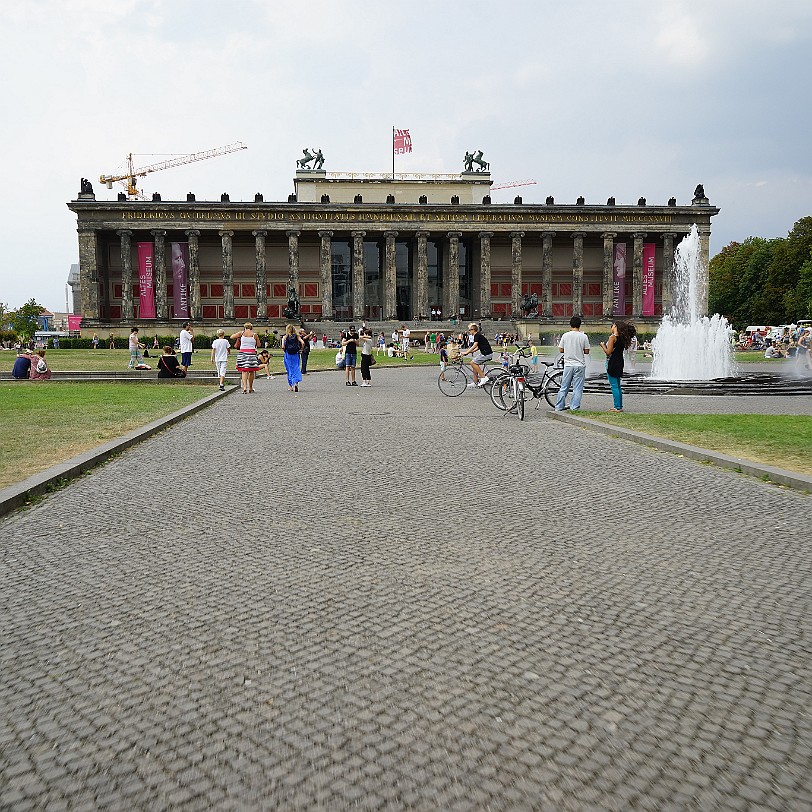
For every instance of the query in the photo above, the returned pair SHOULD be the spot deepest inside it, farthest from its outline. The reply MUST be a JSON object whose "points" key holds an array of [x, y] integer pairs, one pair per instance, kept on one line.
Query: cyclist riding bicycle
{"points": [[480, 352]]}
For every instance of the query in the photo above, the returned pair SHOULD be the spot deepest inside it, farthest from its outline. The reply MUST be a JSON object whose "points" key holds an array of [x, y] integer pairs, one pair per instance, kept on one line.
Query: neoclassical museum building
{"points": [[383, 248]]}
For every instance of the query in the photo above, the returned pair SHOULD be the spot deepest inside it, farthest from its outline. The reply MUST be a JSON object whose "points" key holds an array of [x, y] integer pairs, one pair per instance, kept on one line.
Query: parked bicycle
{"points": [[519, 380], [454, 379]]}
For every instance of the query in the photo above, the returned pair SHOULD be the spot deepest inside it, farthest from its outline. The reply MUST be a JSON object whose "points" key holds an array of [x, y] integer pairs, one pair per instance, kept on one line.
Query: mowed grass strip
{"points": [[783, 441], [117, 360], [44, 424]]}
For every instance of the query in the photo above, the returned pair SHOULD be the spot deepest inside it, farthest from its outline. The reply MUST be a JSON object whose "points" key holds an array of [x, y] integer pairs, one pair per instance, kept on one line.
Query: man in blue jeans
{"points": [[574, 345]]}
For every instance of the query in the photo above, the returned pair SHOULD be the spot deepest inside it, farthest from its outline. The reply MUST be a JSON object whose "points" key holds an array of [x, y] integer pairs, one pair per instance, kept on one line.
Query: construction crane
{"points": [[128, 178], [513, 184]]}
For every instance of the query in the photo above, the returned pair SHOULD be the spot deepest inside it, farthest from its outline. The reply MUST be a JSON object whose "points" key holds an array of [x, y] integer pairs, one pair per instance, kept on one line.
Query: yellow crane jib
{"points": [[127, 178]]}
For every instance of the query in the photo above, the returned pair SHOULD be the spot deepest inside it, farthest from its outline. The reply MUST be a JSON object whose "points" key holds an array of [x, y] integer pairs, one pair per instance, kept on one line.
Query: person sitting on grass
{"points": [[168, 366]]}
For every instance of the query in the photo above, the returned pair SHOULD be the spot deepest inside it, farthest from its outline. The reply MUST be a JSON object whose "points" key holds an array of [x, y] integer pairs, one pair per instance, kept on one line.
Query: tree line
{"points": [[763, 281]]}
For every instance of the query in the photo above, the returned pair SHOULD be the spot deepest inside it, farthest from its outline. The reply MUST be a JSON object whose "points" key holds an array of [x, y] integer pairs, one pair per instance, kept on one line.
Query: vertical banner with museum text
{"points": [[179, 251], [648, 278], [146, 285], [619, 280]]}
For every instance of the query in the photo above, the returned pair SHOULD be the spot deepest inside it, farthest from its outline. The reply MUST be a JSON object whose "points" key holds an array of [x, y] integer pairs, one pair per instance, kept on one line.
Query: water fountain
{"points": [[690, 346]]}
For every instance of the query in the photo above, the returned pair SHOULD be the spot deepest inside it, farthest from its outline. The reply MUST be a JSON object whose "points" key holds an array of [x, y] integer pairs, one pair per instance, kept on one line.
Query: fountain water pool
{"points": [[689, 346]]}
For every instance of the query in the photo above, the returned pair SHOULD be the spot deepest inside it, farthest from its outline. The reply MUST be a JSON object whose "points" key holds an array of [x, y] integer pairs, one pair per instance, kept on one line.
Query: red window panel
{"points": [[204, 291], [216, 291], [311, 290], [253, 310], [305, 310], [115, 312], [559, 309], [117, 294], [505, 290], [280, 291], [588, 309], [535, 287], [628, 287], [565, 288], [317, 310], [594, 289], [525, 288], [658, 309], [494, 289], [209, 311], [236, 291], [554, 289], [568, 310], [241, 312], [170, 290], [249, 291], [273, 311], [628, 308], [136, 289], [267, 290], [221, 312], [500, 308]]}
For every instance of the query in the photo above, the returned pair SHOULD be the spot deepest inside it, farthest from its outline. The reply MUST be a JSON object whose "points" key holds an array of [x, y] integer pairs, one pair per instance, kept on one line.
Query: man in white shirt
{"points": [[220, 349], [405, 332], [574, 345], [187, 334]]}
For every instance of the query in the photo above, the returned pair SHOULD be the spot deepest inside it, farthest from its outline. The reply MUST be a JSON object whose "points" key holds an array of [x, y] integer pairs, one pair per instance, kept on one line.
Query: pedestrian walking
{"points": [[247, 362], [293, 344], [306, 339], [621, 338], [574, 345], [366, 357], [135, 349], [220, 348]]}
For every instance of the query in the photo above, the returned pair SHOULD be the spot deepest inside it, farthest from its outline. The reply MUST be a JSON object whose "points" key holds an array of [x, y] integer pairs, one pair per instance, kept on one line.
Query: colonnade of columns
{"points": [[89, 271]]}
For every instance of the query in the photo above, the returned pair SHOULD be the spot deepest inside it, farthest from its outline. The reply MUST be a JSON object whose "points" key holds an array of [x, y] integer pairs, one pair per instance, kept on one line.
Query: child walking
{"points": [[220, 349]]}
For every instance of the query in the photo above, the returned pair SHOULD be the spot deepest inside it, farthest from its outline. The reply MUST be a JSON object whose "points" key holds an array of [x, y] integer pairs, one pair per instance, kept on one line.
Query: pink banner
{"points": [[648, 278], [74, 322], [179, 252], [619, 280], [146, 300]]}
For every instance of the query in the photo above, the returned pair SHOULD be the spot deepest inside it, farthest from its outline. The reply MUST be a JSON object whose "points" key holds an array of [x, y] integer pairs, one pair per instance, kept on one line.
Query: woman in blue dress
{"points": [[293, 345]]}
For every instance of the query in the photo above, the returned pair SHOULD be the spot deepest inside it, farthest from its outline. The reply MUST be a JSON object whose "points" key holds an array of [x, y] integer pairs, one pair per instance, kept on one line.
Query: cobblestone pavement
{"points": [[425, 606]]}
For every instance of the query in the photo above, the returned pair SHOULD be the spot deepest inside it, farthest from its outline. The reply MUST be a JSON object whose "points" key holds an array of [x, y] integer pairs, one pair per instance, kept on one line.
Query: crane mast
{"points": [[128, 178]]}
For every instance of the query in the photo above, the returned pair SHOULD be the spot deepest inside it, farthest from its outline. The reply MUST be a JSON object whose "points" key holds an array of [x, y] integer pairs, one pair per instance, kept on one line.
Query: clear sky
{"points": [[587, 97]]}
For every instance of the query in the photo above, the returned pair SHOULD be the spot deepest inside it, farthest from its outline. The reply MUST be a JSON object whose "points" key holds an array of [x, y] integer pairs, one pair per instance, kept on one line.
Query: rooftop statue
{"points": [[86, 186], [699, 192], [475, 158], [316, 157]]}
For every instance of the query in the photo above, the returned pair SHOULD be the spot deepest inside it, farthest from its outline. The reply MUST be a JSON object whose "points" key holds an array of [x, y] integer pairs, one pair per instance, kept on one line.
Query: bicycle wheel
{"points": [[551, 387], [520, 394], [452, 382], [500, 391]]}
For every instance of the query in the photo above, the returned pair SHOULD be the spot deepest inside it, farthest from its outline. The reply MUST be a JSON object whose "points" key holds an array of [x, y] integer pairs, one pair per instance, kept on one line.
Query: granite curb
{"points": [[15, 496], [778, 476]]}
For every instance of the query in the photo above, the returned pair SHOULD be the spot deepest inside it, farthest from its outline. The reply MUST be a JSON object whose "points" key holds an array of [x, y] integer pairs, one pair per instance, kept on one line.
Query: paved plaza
{"points": [[387, 599]]}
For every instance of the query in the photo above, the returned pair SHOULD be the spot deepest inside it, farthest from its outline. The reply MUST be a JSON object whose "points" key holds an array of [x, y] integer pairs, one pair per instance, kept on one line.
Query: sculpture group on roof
{"points": [[472, 158], [315, 156]]}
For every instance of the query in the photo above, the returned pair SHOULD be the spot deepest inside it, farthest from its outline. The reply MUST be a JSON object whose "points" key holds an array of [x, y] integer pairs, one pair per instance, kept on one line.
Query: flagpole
{"points": [[393, 154]]}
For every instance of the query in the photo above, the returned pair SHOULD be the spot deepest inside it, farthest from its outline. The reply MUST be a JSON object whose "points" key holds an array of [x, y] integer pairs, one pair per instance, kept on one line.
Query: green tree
{"points": [[25, 320]]}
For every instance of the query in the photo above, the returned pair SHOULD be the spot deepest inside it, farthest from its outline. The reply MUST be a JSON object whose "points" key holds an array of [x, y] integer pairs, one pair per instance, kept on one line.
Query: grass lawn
{"points": [[784, 441], [46, 424], [116, 360]]}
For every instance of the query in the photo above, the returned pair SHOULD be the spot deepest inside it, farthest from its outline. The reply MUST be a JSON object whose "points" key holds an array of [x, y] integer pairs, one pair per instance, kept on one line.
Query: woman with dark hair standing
{"points": [[293, 345], [619, 340]]}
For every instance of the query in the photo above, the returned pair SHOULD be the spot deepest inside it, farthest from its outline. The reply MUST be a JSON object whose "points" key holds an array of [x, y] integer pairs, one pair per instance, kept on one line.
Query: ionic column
{"points": [[485, 273], [608, 268], [228, 275], [159, 267], [195, 306], [326, 267], [89, 272], [637, 275], [422, 304], [293, 258], [453, 309], [390, 277], [547, 274], [358, 275], [516, 273], [262, 274], [668, 272], [126, 276], [577, 273], [703, 279]]}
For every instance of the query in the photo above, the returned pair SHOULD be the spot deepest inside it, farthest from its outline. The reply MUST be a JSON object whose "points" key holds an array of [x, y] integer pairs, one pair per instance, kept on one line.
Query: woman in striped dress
{"points": [[247, 362]]}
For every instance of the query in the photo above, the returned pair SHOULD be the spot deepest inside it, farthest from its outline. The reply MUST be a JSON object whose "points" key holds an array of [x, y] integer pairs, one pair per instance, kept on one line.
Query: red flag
{"points": [[402, 142]]}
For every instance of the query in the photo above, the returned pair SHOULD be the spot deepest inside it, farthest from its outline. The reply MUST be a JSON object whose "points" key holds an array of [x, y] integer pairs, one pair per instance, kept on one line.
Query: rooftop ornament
{"points": [[316, 157], [475, 157]]}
